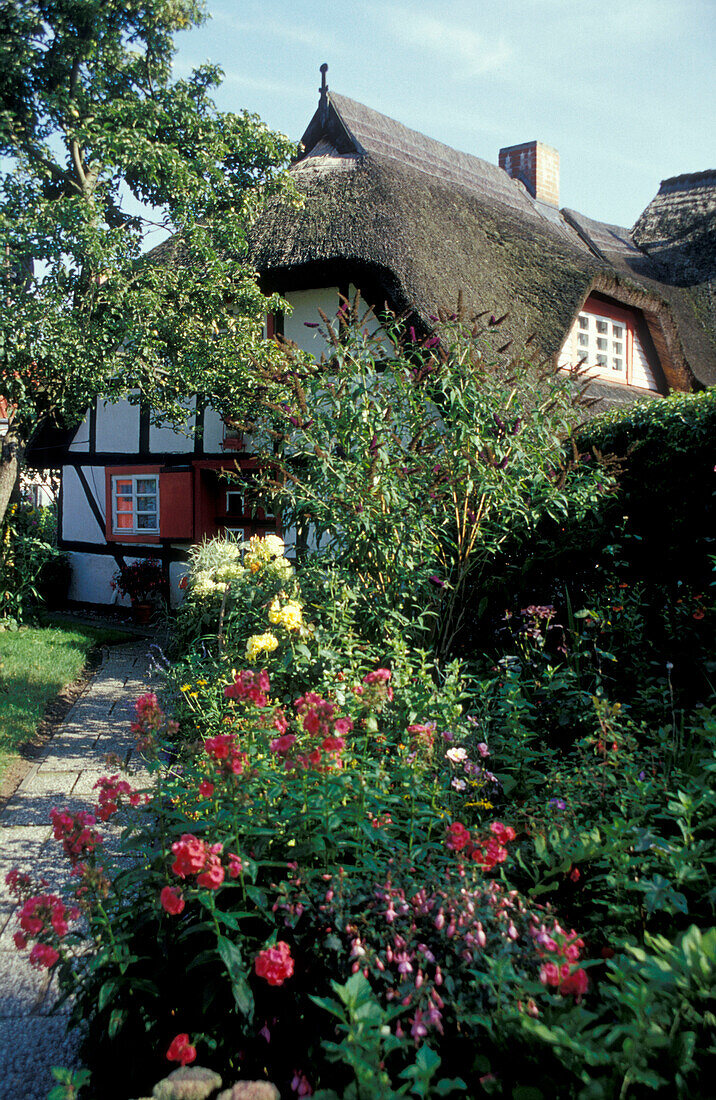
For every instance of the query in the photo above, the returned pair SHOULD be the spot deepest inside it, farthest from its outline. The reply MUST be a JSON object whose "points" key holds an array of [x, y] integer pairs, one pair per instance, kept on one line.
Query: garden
{"points": [[432, 809]]}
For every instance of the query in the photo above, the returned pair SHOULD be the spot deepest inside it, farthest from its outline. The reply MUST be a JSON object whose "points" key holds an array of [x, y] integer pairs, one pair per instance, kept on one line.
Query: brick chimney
{"points": [[537, 165]]}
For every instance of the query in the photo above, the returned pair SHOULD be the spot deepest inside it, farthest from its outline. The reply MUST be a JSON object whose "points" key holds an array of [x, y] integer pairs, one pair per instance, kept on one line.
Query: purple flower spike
{"points": [[311, 324], [437, 581]]}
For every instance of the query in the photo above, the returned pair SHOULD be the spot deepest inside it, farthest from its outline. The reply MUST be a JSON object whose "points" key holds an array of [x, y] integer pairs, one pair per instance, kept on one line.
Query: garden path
{"points": [[31, 1038]]}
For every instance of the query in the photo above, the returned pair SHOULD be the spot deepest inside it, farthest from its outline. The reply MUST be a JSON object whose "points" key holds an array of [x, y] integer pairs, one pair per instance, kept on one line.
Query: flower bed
{"points": [[330, 889]]}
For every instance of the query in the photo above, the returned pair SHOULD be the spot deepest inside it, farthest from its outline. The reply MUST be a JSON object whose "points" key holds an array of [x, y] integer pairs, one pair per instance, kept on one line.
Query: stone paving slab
{"points": [[32, 1039]]}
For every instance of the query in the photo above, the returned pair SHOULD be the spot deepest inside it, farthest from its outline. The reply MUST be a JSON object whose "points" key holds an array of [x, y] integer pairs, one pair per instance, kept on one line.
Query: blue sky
{"points": [[624, 89]]}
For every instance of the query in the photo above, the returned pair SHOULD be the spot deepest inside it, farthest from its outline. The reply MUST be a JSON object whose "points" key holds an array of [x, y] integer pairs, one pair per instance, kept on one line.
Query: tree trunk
{"points": [[9, 471]]}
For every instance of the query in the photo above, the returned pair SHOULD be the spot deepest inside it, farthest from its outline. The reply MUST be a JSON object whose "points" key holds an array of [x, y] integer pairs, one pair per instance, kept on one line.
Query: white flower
{"points": [[456, 756], [458, 784]]}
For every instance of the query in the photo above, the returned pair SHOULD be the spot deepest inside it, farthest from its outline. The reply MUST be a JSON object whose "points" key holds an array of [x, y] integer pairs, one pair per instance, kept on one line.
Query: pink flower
{"points": [[236, 866], [282, 745], [275, 963], [213, 876], [251, 686], [180, 1050], [43, 954], [504, 833], [190, 855], [171, 900], [458, 837]]}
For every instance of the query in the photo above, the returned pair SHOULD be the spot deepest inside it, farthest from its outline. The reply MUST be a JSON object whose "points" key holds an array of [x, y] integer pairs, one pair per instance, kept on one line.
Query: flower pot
{"points": [[142, 613]]}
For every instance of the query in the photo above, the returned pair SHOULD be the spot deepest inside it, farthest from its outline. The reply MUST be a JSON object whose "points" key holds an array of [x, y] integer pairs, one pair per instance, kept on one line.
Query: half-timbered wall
{"points": [[118, 440]]}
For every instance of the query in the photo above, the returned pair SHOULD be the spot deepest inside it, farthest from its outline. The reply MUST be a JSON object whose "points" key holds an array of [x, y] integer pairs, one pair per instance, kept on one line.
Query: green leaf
{"points": [[234, 963]]}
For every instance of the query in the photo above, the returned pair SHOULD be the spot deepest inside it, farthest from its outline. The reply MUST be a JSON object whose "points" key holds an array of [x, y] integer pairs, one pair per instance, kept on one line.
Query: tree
{"points": [[103, 146]]}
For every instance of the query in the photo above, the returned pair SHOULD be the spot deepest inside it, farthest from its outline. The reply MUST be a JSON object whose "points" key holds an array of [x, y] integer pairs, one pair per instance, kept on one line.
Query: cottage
{"points": [[412, 223]]}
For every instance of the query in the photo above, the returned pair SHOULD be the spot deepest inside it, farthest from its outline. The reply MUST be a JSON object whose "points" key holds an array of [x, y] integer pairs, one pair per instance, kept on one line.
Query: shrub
{"points": [[411, 466], [31, 566]]}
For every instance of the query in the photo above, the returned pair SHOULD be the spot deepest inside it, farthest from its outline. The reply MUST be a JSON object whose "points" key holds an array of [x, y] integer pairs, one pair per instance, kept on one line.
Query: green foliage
{"points": [[667, 490], [104, 146], [411, 464], [31, 566]]}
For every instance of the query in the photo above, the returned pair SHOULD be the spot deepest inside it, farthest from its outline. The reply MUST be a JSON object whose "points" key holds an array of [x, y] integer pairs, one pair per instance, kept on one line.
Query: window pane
{"points": [[602, 326], [617, 364], [123, 487], [124, 504], [583, 321], [147, 522], [146, 485], [617, 349], [584, 340], [602, 344], [617, 331], [147, 504], [601, 360], [125, 521]]}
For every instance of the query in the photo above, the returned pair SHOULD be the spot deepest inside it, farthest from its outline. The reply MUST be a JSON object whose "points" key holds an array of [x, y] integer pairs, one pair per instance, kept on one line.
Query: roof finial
{"points": [[323, 101]]}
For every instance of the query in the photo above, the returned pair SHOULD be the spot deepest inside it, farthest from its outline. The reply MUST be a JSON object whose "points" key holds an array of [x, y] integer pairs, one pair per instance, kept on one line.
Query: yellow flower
{"points": [[260, 643], [288, 616], [185, 687]]}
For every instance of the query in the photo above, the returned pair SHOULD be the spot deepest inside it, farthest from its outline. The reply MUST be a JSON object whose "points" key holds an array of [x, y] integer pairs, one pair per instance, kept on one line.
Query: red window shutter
{"points": [[176, 503]]}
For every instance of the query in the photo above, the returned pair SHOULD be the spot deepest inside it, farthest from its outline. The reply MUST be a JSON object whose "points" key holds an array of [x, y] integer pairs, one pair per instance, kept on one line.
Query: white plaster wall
{"points": [[80, 440], [78, 521], [91, 576], [213, 431], [306, 304], [641, 373], [177, 570], [117, 427], [168, 440]]}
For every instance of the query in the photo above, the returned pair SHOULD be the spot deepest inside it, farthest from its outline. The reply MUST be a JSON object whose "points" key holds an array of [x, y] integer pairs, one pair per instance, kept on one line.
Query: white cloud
{"points": [[281, 28], [469, 52]]}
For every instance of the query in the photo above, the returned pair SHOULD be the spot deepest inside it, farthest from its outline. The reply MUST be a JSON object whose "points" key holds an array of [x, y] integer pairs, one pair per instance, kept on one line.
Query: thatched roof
{"points": [[417, 223]]}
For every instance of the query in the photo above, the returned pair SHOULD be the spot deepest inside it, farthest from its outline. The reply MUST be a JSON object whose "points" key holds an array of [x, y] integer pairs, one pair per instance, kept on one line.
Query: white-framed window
{"points": [[135, 504], [601, 342], [234, 502]]}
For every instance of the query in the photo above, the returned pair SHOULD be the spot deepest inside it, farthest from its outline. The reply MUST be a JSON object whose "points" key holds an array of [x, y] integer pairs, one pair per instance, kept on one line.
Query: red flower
{"points": [[275, 963], [206, 789], [181, 1050], [502, 832], [172, 900], [190, 855], [575, 874], [458, 837]]}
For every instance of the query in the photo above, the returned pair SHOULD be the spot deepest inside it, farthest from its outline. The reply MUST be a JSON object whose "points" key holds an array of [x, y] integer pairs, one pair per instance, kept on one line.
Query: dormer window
{"points": [[604, 341]]}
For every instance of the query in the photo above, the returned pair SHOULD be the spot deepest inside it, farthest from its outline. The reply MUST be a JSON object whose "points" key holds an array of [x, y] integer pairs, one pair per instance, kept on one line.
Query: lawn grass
{"points": [[36, 663]]}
